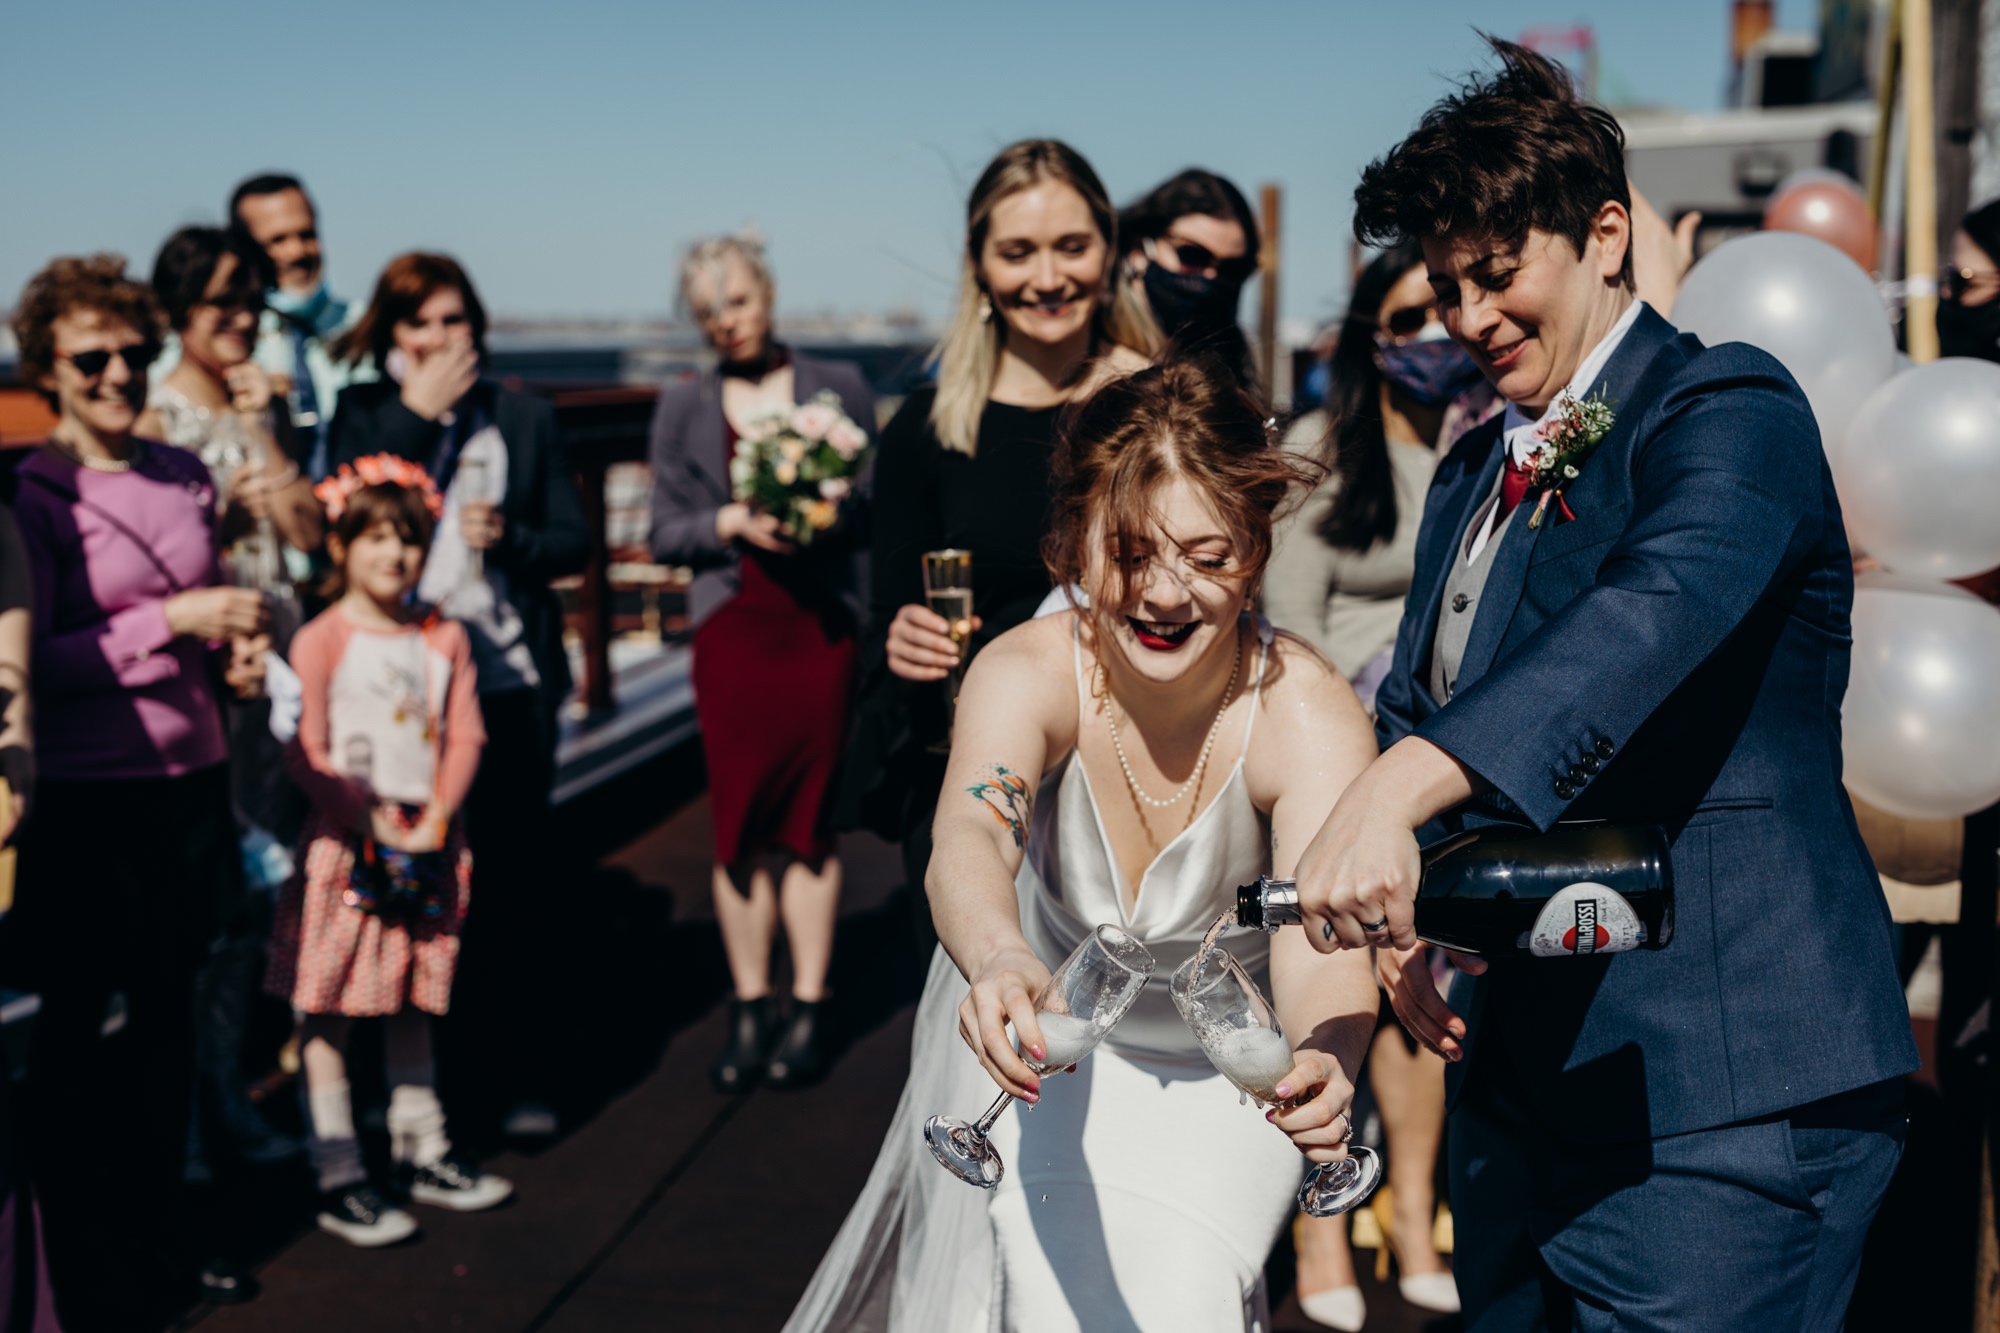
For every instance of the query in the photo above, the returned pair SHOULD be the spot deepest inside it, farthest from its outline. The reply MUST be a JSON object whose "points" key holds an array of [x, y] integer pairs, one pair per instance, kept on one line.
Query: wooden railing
{"points": [[600, 427]]}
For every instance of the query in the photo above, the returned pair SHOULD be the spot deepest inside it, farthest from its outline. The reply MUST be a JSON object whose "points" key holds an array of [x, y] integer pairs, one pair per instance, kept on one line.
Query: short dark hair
{"points": [[186, 265], [1192, 191], [1508, 152], [271, 182]]}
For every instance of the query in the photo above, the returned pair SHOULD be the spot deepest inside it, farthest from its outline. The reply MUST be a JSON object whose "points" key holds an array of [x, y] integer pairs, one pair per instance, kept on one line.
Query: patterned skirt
{"points": [[329, 956]]}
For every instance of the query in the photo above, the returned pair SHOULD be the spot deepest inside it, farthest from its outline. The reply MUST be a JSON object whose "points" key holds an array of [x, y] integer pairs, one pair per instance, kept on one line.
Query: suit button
{"points": [[1460, 602], [1590, 764], [1605, 748], [1577, 775], [1564, 789]]}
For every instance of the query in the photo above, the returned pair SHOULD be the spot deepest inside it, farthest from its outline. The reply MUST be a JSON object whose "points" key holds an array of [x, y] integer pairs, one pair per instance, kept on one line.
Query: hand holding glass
{"points": [[948, 593], [1083, 1001], [1240, 1033]]}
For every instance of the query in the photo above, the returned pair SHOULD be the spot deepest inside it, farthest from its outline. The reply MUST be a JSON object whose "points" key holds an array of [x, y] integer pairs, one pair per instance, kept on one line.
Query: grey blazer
{"points": [[689, 457]]}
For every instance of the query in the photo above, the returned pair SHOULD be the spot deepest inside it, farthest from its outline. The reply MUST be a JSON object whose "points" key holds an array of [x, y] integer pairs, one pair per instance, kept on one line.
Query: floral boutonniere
{"points": [[1568, 438]]}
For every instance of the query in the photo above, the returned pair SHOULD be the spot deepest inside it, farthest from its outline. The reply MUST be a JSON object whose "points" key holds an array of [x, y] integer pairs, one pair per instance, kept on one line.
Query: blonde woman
{"points": [[773, 658], [966, 462]]}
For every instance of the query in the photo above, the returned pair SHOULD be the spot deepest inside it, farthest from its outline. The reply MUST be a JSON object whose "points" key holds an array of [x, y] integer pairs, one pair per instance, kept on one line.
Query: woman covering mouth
{"points": [[1161, 636]]}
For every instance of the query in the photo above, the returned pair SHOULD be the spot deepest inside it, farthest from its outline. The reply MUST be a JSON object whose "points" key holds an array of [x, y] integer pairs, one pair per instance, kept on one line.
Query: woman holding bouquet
{"points": [[1040, 318], [774, 620]]}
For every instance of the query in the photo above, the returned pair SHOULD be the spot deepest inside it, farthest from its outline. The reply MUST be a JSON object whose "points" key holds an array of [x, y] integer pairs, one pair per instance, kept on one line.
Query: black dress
{"points": [[925, 497]]}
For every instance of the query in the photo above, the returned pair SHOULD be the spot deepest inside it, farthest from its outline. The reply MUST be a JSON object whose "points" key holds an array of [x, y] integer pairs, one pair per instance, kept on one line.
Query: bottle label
{"points": [[1585, 919]]}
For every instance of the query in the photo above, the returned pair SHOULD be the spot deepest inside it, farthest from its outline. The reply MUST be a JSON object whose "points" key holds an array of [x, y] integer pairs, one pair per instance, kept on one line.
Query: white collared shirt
{"points": [[1522, 435]]}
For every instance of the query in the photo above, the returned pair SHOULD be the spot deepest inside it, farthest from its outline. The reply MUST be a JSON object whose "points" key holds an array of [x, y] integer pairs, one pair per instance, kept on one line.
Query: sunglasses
{"points": [[1409, 321], [1198, 258], [91, 364]]}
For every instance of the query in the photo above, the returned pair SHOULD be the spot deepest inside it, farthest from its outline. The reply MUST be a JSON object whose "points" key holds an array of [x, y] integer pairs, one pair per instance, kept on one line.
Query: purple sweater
{"points": [[116, 694]]}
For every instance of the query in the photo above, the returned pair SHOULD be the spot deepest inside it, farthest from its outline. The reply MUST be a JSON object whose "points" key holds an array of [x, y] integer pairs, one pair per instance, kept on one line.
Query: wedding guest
{"points": [[513, 522], [1141, 1194], [302, 317], [1401, 393], [1667, 646], [121, 545], [965, 463], [773, 658], [1968, 317], [1189, 245], [218, 404]]}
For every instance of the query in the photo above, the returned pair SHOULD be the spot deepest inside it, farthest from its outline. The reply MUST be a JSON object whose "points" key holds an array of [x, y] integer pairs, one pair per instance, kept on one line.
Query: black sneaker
{"points": [[454, 1183], [360, 1216]]}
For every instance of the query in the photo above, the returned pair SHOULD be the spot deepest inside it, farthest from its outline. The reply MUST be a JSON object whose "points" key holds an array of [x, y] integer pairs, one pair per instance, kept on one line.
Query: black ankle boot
{"points": [[742, 1060], [798, 1059]]}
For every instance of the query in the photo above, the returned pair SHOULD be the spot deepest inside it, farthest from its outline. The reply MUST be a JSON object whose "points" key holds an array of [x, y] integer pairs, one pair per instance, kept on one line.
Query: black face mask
{"points": [[1969, 330], [1189, 304]]}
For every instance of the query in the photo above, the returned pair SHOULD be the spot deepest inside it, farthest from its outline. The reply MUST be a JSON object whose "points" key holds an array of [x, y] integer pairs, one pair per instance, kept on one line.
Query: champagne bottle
{"points": [[1575, 891]]}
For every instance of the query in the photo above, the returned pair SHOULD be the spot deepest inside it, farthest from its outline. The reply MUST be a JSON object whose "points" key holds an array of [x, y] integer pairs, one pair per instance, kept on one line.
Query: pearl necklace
{"points": [[1200, 764], [94, 464]]}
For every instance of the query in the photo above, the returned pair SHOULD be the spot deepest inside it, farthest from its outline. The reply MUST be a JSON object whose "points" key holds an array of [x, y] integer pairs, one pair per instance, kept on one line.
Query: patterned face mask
{"points": [[1430, 367]]}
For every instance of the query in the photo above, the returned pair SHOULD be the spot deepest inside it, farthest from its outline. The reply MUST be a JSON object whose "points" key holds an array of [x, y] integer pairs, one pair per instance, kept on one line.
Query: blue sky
{"points": [[566, 152]]}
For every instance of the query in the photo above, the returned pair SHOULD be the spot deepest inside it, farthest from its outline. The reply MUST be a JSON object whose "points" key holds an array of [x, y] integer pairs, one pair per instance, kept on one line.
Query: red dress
{"points": [[772, 674]]}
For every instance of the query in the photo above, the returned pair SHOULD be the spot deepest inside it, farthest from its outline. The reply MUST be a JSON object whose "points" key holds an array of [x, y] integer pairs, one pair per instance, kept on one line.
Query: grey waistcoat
{"points": [[1462, 589]]}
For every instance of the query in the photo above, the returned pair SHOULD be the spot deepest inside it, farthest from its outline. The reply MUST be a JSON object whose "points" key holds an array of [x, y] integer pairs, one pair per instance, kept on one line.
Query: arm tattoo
{"points": [[1006, 794]]}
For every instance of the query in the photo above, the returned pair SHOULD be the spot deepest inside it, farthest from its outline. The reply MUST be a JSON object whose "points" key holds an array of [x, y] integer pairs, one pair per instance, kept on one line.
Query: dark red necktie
{"points": [[1514, 484]]}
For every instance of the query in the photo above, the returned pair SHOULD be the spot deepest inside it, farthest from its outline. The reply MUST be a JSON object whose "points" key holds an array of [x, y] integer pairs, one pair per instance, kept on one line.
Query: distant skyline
{"points": [[567, 154]]}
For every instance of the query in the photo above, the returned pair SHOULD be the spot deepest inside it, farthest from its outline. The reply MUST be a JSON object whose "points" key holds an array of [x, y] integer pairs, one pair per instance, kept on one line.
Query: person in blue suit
{"points": [[1655, 631]]}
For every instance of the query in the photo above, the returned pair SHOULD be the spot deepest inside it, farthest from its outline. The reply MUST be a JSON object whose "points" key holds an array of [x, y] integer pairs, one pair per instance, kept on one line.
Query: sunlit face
{"points": [[737, 320], [105, 402], [440, 322], [1043, 263], [222, 327], [283, 223], [1529, 314], [1187, 580], [379, 563]]}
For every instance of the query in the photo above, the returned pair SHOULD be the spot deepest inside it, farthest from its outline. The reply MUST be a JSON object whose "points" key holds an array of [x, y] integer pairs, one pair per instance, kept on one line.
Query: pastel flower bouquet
{"points": [[799, 464]]}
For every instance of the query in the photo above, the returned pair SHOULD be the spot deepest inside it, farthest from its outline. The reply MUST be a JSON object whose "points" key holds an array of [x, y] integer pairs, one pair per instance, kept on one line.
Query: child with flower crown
{"points": [[388, 741]]}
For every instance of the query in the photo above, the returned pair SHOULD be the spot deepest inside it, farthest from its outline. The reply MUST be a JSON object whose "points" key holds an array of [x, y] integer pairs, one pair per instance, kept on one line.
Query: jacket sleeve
{"points": [[903, 502], [1729, 502], [555, 542], [683, 508], [371, 419]]}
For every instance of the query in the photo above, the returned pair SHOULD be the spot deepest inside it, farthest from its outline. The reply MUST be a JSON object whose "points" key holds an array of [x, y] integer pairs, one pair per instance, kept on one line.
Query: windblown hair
{"points": [[403, 507], [709, 258], [1183, 418], [969, 354], [1363, 511], [409, 281], [188, 261], [1508, 152], [71, 284]]}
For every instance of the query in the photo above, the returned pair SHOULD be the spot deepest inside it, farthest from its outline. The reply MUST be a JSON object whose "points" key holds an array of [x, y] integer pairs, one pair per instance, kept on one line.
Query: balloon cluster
{"points": [[1915, 455]]}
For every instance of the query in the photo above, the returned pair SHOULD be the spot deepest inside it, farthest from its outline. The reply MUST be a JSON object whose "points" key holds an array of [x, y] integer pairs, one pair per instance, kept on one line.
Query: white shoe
{"points": [[1341, 1308], [1430, 1291], [452, 1182]]}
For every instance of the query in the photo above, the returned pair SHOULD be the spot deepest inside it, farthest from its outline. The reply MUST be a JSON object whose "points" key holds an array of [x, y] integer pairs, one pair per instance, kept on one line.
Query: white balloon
{"points": [[1921, 723], [1805, 303], [1919, 471]]}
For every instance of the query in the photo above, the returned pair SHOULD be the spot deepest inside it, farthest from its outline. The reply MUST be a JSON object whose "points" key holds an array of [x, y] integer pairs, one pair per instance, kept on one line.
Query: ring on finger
{"points": [[1372, 927], [1348, 1132]]}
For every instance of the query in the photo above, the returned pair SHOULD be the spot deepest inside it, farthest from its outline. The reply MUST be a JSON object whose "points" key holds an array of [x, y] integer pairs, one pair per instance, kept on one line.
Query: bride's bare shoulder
{"points": [[1033, 654], [1306, 692]]}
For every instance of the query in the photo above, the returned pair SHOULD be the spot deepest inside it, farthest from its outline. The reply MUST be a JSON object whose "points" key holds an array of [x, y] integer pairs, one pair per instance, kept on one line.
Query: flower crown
{"points": [[378, 470]]}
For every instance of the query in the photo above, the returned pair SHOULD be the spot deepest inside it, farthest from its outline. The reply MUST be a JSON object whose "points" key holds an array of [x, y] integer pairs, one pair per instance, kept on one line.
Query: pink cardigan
{"points": [[460, 736]]}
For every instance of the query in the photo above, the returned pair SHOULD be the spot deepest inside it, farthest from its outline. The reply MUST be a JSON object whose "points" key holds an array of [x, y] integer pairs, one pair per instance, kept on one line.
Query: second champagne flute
{"points": [[948, 593], [1083, 1001]]}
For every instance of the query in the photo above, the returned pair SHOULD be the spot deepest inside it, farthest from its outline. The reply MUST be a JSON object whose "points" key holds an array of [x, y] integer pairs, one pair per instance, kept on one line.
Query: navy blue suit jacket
{"points": [[1677, 655]]}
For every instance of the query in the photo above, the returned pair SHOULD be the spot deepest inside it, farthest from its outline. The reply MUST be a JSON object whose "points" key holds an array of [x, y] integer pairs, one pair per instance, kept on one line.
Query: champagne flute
{"points": [[948, 592], [1083, 1001], [471, 487], [1240, 1033]]}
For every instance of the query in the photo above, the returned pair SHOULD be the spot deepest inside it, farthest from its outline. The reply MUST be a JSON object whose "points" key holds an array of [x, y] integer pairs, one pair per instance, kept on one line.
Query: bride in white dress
{"points": [[1181, 749]]}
